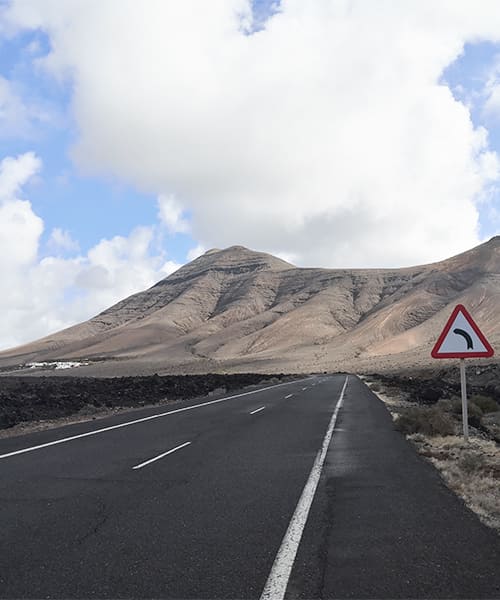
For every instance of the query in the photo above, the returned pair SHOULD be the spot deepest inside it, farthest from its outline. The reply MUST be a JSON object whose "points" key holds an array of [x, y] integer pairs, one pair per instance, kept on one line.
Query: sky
{"points": [[335, 133]]}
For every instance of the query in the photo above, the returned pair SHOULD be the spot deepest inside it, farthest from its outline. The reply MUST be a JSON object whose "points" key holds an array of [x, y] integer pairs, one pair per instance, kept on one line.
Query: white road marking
{"points": [[151, 460], [142, 420], [257, 410], [277, 581], [289, 396], [304, 388]]}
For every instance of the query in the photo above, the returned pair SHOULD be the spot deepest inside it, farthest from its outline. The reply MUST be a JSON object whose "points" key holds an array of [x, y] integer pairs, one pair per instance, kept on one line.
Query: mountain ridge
{"points": [[235, 309]]}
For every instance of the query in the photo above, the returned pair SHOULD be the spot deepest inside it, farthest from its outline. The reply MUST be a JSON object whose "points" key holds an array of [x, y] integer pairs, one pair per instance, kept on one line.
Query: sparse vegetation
{"points": [[473, 410], [471, 462], [491, 424], [425, 420], [485, 403], [471, 470]]}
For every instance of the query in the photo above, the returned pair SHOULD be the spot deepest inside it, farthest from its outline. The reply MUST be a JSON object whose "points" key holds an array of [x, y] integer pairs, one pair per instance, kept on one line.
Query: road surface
{"points": [[238, 497]]}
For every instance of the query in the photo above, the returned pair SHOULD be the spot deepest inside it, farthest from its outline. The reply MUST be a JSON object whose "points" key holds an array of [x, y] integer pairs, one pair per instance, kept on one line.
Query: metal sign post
{"points": [[461, 338], [463, 387]]}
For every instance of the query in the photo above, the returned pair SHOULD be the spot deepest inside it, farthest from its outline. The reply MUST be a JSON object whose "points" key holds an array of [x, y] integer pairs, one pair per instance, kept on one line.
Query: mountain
{"points": [[240, 310]]}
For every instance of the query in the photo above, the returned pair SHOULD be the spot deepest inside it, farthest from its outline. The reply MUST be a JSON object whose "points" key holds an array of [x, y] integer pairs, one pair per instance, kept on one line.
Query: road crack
{"points": [[99, 521]]}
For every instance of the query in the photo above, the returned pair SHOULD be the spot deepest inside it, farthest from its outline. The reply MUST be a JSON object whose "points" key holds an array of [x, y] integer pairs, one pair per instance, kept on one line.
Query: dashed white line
{"points": [[277, 581], [303, 389], [257, 410], [151, 460], [142, 420], [289, 396]]}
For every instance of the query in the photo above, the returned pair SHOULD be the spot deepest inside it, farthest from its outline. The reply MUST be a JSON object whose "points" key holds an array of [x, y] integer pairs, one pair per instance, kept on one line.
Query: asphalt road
{"points": [[198, 503]]}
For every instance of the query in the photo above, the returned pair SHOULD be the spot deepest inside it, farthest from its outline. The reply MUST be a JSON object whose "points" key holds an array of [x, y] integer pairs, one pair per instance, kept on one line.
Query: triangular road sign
{"points": [[461, 338]]}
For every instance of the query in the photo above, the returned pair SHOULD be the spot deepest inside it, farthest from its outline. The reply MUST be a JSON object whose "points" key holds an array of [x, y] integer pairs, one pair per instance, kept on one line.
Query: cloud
{"points": [[492, 103], [14, 115], [118, 267], [20, 118], [43, 295], [490, 94], [327, 134], [20, 228], [171, 214], [61, 240], [15, 172]]}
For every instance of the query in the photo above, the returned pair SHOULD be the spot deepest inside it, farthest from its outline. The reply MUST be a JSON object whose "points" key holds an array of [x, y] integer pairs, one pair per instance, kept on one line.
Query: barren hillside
{"points": [[237, 310]]}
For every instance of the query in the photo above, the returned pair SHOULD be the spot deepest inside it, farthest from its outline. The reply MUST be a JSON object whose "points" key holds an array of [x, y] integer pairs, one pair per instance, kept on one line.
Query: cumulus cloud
{"points": [[120, 266], [42, 295], [326, 135], [171, 214], [15, 172], [20, 227], [61, 240]]}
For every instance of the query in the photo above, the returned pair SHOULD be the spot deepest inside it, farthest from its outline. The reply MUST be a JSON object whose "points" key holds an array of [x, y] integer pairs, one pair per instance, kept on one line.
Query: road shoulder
{"points": [[383, 524]]}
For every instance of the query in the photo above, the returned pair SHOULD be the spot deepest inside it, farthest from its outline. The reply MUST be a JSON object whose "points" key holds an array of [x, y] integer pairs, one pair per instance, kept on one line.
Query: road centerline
{"points": [[257, 410], [152, 460], [289, 396], [141, 420], [279, 576]]}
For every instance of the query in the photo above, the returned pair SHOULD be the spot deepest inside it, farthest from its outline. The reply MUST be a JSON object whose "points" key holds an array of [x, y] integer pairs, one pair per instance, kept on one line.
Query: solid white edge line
{"points": [[151, 460], [257, 410], [289, 396], [277, 581], [142, 420]]}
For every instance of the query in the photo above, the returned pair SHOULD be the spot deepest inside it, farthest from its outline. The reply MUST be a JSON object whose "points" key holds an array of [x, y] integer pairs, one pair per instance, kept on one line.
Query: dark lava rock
{"points": [[429, 386], [24, 399]]}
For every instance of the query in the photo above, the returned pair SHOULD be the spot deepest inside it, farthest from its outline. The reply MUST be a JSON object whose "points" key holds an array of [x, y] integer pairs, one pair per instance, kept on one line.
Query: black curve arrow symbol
{"points": [[467, 337]]}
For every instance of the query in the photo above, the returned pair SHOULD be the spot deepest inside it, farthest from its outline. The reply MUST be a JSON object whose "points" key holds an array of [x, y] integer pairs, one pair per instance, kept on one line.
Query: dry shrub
{"points": [[474, 412], [471, 462], [425, 420], [485, 403], [491, 422]]}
